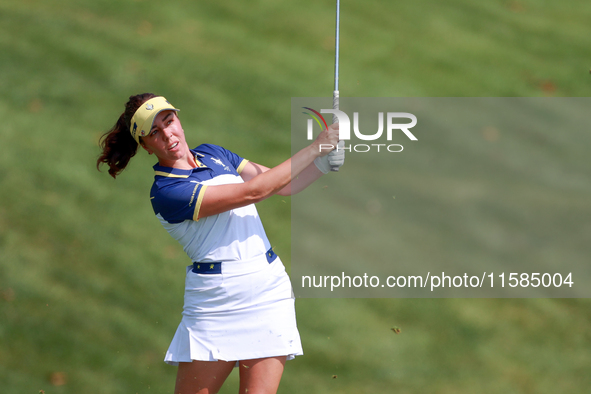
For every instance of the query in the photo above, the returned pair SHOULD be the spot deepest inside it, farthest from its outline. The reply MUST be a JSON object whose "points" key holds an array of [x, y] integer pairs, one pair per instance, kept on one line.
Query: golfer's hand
{"points": [[336, 158], [331, 149], [327, 140]]}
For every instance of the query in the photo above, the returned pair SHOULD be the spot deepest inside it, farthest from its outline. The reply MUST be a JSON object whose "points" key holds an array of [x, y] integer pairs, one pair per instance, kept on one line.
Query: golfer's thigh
{"points": [[200, 377], [261, 376]]}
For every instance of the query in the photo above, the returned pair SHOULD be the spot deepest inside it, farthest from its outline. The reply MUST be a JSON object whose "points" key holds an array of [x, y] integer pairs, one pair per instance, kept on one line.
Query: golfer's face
{"points": [[166, 138]]}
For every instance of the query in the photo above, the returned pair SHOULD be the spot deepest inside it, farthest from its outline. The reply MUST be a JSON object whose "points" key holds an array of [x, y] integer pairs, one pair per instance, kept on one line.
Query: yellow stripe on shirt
{"points": [[198, 203], [241, 166], [169, 175]]}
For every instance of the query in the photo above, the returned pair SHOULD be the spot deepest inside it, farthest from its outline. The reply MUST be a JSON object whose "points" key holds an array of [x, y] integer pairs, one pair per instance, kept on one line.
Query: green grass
{"points": [[91, 285]]}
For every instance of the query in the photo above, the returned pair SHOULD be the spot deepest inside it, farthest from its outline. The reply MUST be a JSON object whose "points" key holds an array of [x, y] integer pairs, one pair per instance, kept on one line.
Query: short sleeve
{"points": [[179, 201]]}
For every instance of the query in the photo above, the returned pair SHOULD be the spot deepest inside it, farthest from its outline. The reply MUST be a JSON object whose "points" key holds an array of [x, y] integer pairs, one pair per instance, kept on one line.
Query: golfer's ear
{"points": [[145, 147]]}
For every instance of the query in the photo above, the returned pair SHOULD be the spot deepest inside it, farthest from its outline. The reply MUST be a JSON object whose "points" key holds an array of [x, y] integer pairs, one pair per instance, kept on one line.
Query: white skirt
{"points": [[245, 312]]}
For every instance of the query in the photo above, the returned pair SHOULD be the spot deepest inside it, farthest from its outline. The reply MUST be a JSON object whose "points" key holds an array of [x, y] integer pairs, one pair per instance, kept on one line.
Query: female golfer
{"points": [[239, 306]]}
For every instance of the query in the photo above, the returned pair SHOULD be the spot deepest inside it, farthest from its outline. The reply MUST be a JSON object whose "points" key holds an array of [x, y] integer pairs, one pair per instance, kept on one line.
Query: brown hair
{"points": [[117, 144]]}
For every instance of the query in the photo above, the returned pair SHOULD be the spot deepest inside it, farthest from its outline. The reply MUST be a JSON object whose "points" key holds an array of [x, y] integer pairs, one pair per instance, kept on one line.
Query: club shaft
{"points": [[336, 62], [335, 94]]}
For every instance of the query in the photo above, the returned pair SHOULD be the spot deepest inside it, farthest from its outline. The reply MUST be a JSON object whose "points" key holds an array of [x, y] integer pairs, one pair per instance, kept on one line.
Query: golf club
{"points": [[335, 93]]}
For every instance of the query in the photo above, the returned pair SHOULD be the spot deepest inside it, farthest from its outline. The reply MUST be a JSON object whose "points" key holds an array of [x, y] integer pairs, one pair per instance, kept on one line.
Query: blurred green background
{"points": [[91, 285]]}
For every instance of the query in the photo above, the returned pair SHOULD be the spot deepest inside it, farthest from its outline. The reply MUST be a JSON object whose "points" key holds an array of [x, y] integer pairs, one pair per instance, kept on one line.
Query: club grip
{"points": [[335, 119]]}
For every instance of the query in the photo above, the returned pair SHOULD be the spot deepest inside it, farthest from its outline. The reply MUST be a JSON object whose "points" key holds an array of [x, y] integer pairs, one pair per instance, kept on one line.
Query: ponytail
{"points": [[117, 144]]}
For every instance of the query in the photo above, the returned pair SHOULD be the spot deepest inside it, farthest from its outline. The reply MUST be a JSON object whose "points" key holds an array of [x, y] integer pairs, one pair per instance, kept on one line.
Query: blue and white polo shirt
{"points": [[176, 197]]}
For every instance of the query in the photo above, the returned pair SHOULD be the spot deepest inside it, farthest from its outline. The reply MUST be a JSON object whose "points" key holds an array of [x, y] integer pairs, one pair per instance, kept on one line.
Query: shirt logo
{"points": [[219, 162]]}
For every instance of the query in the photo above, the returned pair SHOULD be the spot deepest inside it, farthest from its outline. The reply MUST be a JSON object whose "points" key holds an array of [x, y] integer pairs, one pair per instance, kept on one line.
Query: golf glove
{"points": [[335, 159]]}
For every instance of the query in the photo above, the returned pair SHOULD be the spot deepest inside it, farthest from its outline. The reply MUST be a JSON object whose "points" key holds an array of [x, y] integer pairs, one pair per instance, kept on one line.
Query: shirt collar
{"points": [[170, 172]]}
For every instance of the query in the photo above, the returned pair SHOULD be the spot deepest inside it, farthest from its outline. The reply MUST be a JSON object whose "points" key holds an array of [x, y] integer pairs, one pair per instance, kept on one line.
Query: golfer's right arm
{"points": [[222, 198]]}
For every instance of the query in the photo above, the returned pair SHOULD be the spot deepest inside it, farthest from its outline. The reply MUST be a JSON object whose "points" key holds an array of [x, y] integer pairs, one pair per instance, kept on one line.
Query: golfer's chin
{"points": [[179, 157]]}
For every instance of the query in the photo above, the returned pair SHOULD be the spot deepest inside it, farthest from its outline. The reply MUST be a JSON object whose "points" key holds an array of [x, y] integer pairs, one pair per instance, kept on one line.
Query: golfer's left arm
{"points": [[321, 165], [306, 177]]}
